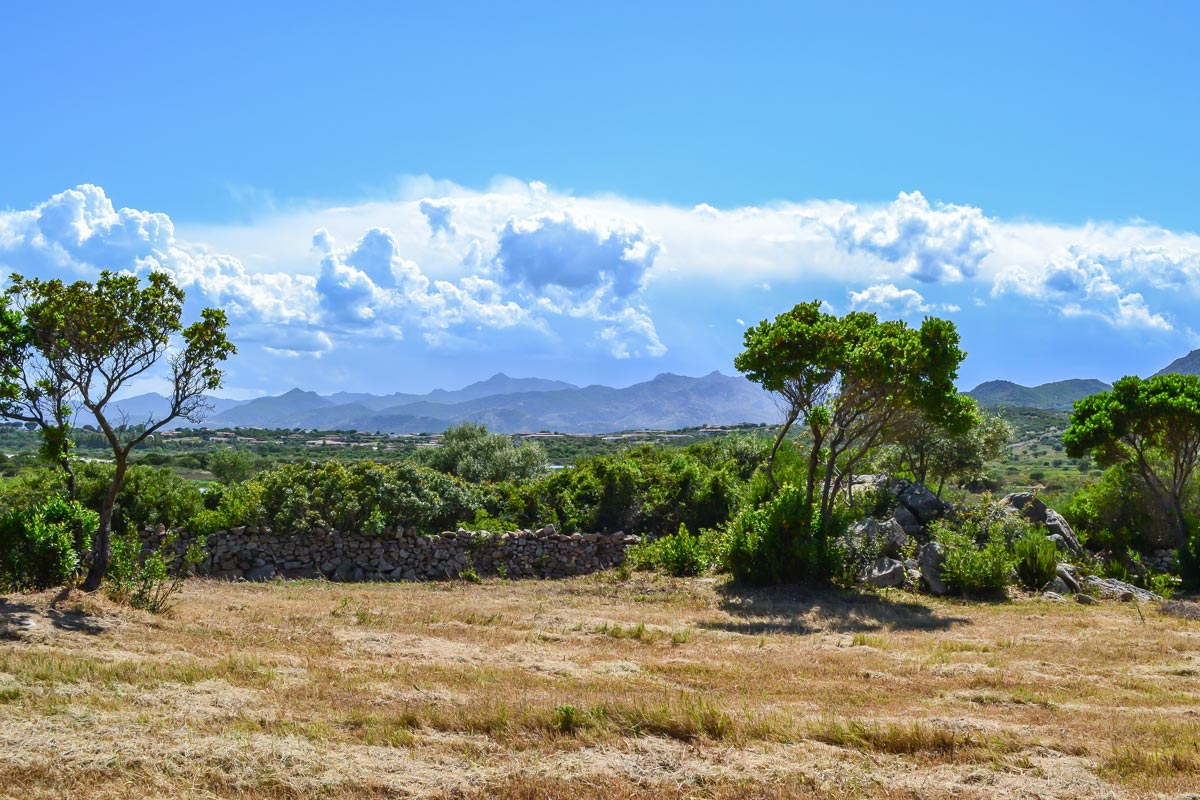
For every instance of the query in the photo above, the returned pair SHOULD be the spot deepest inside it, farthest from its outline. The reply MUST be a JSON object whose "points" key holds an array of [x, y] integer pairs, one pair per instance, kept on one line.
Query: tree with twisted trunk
{"points": [[75, 346]]}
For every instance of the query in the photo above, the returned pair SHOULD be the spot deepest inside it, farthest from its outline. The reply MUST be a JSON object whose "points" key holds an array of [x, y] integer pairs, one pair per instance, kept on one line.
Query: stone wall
{"points": [[251, 554]]}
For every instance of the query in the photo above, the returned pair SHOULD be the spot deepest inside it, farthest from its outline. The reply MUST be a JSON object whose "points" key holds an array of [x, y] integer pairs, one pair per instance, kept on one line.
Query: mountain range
{"points": [[518, 405], [503, 404]]}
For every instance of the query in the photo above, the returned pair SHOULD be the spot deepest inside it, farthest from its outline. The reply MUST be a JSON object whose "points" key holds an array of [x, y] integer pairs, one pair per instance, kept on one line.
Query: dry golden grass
{"points": [[593, 688]]}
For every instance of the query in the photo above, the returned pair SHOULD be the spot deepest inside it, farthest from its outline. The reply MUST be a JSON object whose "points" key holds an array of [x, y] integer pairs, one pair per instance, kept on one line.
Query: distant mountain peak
{"points": [[1184, 365]]}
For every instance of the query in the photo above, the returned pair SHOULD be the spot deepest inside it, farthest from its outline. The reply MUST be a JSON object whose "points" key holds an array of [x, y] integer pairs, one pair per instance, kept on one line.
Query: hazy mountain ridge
{"points": [[515, 405], [504, 404]]}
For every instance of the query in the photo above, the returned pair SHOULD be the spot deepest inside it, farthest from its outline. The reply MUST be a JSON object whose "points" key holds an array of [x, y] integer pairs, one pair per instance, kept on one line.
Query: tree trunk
{"points": [[101, 548], [787, 425]]}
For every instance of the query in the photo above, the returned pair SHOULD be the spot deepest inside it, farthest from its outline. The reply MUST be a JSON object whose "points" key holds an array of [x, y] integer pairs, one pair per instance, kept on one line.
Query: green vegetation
{"points": [[768, 504], [1036, 560], [852, 382], [37, 543], [75, 346], [681, 554], [1151, 426]]}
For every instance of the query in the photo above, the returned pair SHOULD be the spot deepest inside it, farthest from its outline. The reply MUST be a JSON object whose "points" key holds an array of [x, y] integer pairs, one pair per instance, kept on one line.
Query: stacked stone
{"points": [[260, 554]]}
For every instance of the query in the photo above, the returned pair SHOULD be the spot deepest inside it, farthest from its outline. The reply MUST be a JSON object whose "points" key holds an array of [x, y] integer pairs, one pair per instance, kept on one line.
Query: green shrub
{"points": [[680, 554], [227, 505], [1116, 512], [1036, 560], [469, 452], [149, 496], [979, 560], [37, 544], [778, 543], [646, 490], [32, 486], [147, 578], [348, 497]]}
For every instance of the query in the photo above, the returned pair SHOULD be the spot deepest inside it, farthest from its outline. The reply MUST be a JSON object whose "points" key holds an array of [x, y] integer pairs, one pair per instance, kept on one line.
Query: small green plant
{"points": [[779, 542], [681, 554], [1036, 560], [978, 559], [147, 578], [569, 720], [469, 573]]}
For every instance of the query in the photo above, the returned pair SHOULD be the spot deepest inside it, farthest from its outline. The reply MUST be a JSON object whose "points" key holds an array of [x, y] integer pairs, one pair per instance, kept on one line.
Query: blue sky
{"points": [[603, 192]]}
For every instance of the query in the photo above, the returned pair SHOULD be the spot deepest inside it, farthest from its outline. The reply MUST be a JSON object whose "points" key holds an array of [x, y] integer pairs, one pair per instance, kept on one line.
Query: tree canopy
{"points": [[79, 344], [933, 452], [852, 381], [1151, 425]]}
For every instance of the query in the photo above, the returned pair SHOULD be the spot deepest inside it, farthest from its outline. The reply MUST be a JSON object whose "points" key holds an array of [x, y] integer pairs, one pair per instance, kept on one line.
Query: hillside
{"points": [[1185, 365], [1056, 396]]}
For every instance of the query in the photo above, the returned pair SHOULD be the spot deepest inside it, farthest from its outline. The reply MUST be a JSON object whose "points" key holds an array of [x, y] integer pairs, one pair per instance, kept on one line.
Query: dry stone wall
{"points": [[253, 554]]}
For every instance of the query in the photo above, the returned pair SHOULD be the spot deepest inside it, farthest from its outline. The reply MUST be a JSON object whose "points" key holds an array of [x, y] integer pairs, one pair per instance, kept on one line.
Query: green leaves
{"points": [[852, 381], [1153, 426]]}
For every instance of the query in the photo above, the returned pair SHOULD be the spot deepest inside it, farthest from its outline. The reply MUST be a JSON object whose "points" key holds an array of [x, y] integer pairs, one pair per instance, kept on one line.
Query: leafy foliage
{"points": [[979, 558], [37, 544], [775, 543], [231, 465], [681, 554], [149, 578], [646, 490], [361, 496], [934, 452], [469, 452], [1036, 560], [1118, 512], [149, 496], [1152, 425]]}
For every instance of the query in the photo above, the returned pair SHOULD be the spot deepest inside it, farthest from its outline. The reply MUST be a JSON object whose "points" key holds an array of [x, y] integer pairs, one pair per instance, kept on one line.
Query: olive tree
{"points": [[852, 382], [93, 339], [933, 451], [1153, 427]]}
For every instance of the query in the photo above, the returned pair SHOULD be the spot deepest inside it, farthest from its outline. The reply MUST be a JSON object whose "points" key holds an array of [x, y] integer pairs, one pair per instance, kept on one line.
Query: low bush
{"points": [[681, 554], [1116, 513], [979, 559], [37, 544], [1036, 560], [646, 490], [147, 578], [362, 495], [778, 543], [149, 496]]}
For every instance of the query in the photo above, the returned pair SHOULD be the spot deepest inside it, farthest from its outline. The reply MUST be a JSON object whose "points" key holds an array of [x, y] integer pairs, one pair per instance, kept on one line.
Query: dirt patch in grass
{"points": [[593, 687]]}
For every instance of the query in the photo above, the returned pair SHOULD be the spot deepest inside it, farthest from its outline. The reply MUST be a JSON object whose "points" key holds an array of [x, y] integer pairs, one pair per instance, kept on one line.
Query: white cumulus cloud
{"points": [[931, 243]]}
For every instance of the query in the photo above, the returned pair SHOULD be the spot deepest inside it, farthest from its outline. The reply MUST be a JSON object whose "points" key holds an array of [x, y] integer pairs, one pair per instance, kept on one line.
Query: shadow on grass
{"points": [[16, 618], [801, 610]]}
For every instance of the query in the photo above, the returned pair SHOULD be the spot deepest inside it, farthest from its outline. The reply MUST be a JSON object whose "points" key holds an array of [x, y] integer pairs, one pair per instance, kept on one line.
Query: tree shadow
{"points": [[18, 618], [802, 610]]}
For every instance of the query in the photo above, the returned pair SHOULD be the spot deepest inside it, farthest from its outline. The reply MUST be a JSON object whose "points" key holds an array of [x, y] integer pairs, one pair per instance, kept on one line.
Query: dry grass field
{"points": [[594, 687]]}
